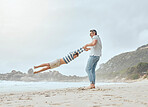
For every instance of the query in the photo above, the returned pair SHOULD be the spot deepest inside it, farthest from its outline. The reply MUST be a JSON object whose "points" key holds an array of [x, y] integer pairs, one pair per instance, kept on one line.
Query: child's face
{"points": [[75, 56]]}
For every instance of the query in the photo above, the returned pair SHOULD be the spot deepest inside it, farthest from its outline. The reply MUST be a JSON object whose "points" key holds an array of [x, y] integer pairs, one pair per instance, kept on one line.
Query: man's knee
{"points": [[88, 69]]}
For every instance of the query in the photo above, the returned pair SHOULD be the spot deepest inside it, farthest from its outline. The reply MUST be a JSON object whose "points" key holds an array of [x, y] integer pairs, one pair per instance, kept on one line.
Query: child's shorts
{"points": [[55, 63]]}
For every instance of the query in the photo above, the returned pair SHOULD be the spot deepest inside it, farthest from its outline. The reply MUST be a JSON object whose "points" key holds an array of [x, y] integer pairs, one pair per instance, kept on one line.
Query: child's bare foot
{"points": [[35, 67], [35, 72]]}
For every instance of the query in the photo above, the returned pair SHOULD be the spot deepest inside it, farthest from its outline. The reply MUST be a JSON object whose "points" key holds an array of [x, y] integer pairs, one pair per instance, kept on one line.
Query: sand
{"points": [[119, 95]]}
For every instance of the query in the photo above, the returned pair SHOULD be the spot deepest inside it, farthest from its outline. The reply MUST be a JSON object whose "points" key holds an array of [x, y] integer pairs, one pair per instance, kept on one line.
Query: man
{"points": [[59, 61], [95, 54]]}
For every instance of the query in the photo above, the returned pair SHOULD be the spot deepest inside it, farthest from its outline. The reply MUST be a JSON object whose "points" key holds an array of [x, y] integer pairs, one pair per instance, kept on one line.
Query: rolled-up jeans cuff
{"points": [[92, 82]]}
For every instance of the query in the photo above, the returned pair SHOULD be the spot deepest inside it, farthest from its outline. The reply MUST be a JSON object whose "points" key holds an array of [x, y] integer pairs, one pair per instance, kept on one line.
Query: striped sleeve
{"points": [[69, 57], [80, 50]]}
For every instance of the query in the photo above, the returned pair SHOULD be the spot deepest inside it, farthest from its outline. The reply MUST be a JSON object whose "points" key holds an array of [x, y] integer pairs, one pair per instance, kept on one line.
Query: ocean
{"points": [[19, 86]]}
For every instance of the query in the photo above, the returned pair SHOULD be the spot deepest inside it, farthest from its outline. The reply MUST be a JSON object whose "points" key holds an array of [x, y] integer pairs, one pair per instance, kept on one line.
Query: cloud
{"points": [[34, 31]]}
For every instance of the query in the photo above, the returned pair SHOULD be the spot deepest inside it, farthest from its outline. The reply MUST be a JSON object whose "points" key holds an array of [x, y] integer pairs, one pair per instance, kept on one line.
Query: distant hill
{"points": [[131, 73], [45, 76], [122, 62], [143, 47]]}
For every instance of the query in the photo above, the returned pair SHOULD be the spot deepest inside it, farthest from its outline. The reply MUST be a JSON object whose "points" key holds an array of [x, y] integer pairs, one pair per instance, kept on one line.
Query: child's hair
{"points": [[76, 54]]}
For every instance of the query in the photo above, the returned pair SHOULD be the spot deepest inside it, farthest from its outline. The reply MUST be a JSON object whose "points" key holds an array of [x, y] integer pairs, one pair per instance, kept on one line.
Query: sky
{"points": [[33, 32]]}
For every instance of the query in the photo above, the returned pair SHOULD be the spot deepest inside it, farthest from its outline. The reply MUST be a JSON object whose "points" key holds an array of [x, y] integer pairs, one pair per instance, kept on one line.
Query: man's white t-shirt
{"points": [[97, 49]]}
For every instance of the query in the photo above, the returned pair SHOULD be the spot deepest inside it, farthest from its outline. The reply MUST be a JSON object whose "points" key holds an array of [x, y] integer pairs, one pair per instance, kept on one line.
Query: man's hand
{"points": [[85, 46], [93, 43], [86, 49]]}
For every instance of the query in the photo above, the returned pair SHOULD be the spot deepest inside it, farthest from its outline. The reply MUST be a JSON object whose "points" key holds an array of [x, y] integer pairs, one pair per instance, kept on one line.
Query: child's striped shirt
{"points": [[69, 57]]}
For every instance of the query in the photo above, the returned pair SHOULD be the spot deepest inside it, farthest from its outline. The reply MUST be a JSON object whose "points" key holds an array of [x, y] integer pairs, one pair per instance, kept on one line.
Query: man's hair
{"points": [[94, 31]]}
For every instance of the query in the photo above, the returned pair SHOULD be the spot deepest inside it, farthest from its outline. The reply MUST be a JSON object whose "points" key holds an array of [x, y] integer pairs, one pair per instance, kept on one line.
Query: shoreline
{"points": [[115, 95], [20, 86]]}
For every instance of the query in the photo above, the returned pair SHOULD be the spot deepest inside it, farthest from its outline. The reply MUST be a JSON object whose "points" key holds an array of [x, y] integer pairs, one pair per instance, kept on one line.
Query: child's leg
{"points": [[54, 64], [43, 69], [51, 65], [42, 65]]}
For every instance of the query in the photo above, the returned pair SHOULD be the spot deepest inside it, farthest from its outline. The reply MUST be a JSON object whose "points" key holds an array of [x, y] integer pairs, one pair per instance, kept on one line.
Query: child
{"points": [[65, 60]]}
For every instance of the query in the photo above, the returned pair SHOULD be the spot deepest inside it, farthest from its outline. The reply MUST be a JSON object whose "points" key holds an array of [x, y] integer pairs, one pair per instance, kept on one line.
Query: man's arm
{"points": [[93, 43], [86, 49]]}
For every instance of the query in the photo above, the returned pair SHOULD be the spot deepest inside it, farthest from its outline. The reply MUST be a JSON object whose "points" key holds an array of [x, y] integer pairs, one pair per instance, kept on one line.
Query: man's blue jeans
{"points": [[90, 68]]}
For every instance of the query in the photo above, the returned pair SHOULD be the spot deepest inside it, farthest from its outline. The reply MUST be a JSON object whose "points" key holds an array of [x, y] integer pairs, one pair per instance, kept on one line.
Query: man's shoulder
{"points": [[95, 37]]}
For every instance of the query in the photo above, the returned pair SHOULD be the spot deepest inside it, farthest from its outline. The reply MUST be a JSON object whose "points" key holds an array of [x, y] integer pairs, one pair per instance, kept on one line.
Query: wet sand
{"points": [[120, 95]]}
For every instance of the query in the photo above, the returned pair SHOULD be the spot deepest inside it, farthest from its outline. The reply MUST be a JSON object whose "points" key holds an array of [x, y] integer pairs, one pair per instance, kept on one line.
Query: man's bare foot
{"points": [[90, 87]]}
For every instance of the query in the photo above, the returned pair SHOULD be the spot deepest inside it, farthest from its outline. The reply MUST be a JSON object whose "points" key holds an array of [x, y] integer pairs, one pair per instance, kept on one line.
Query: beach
{"points": [[134, 94]]}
